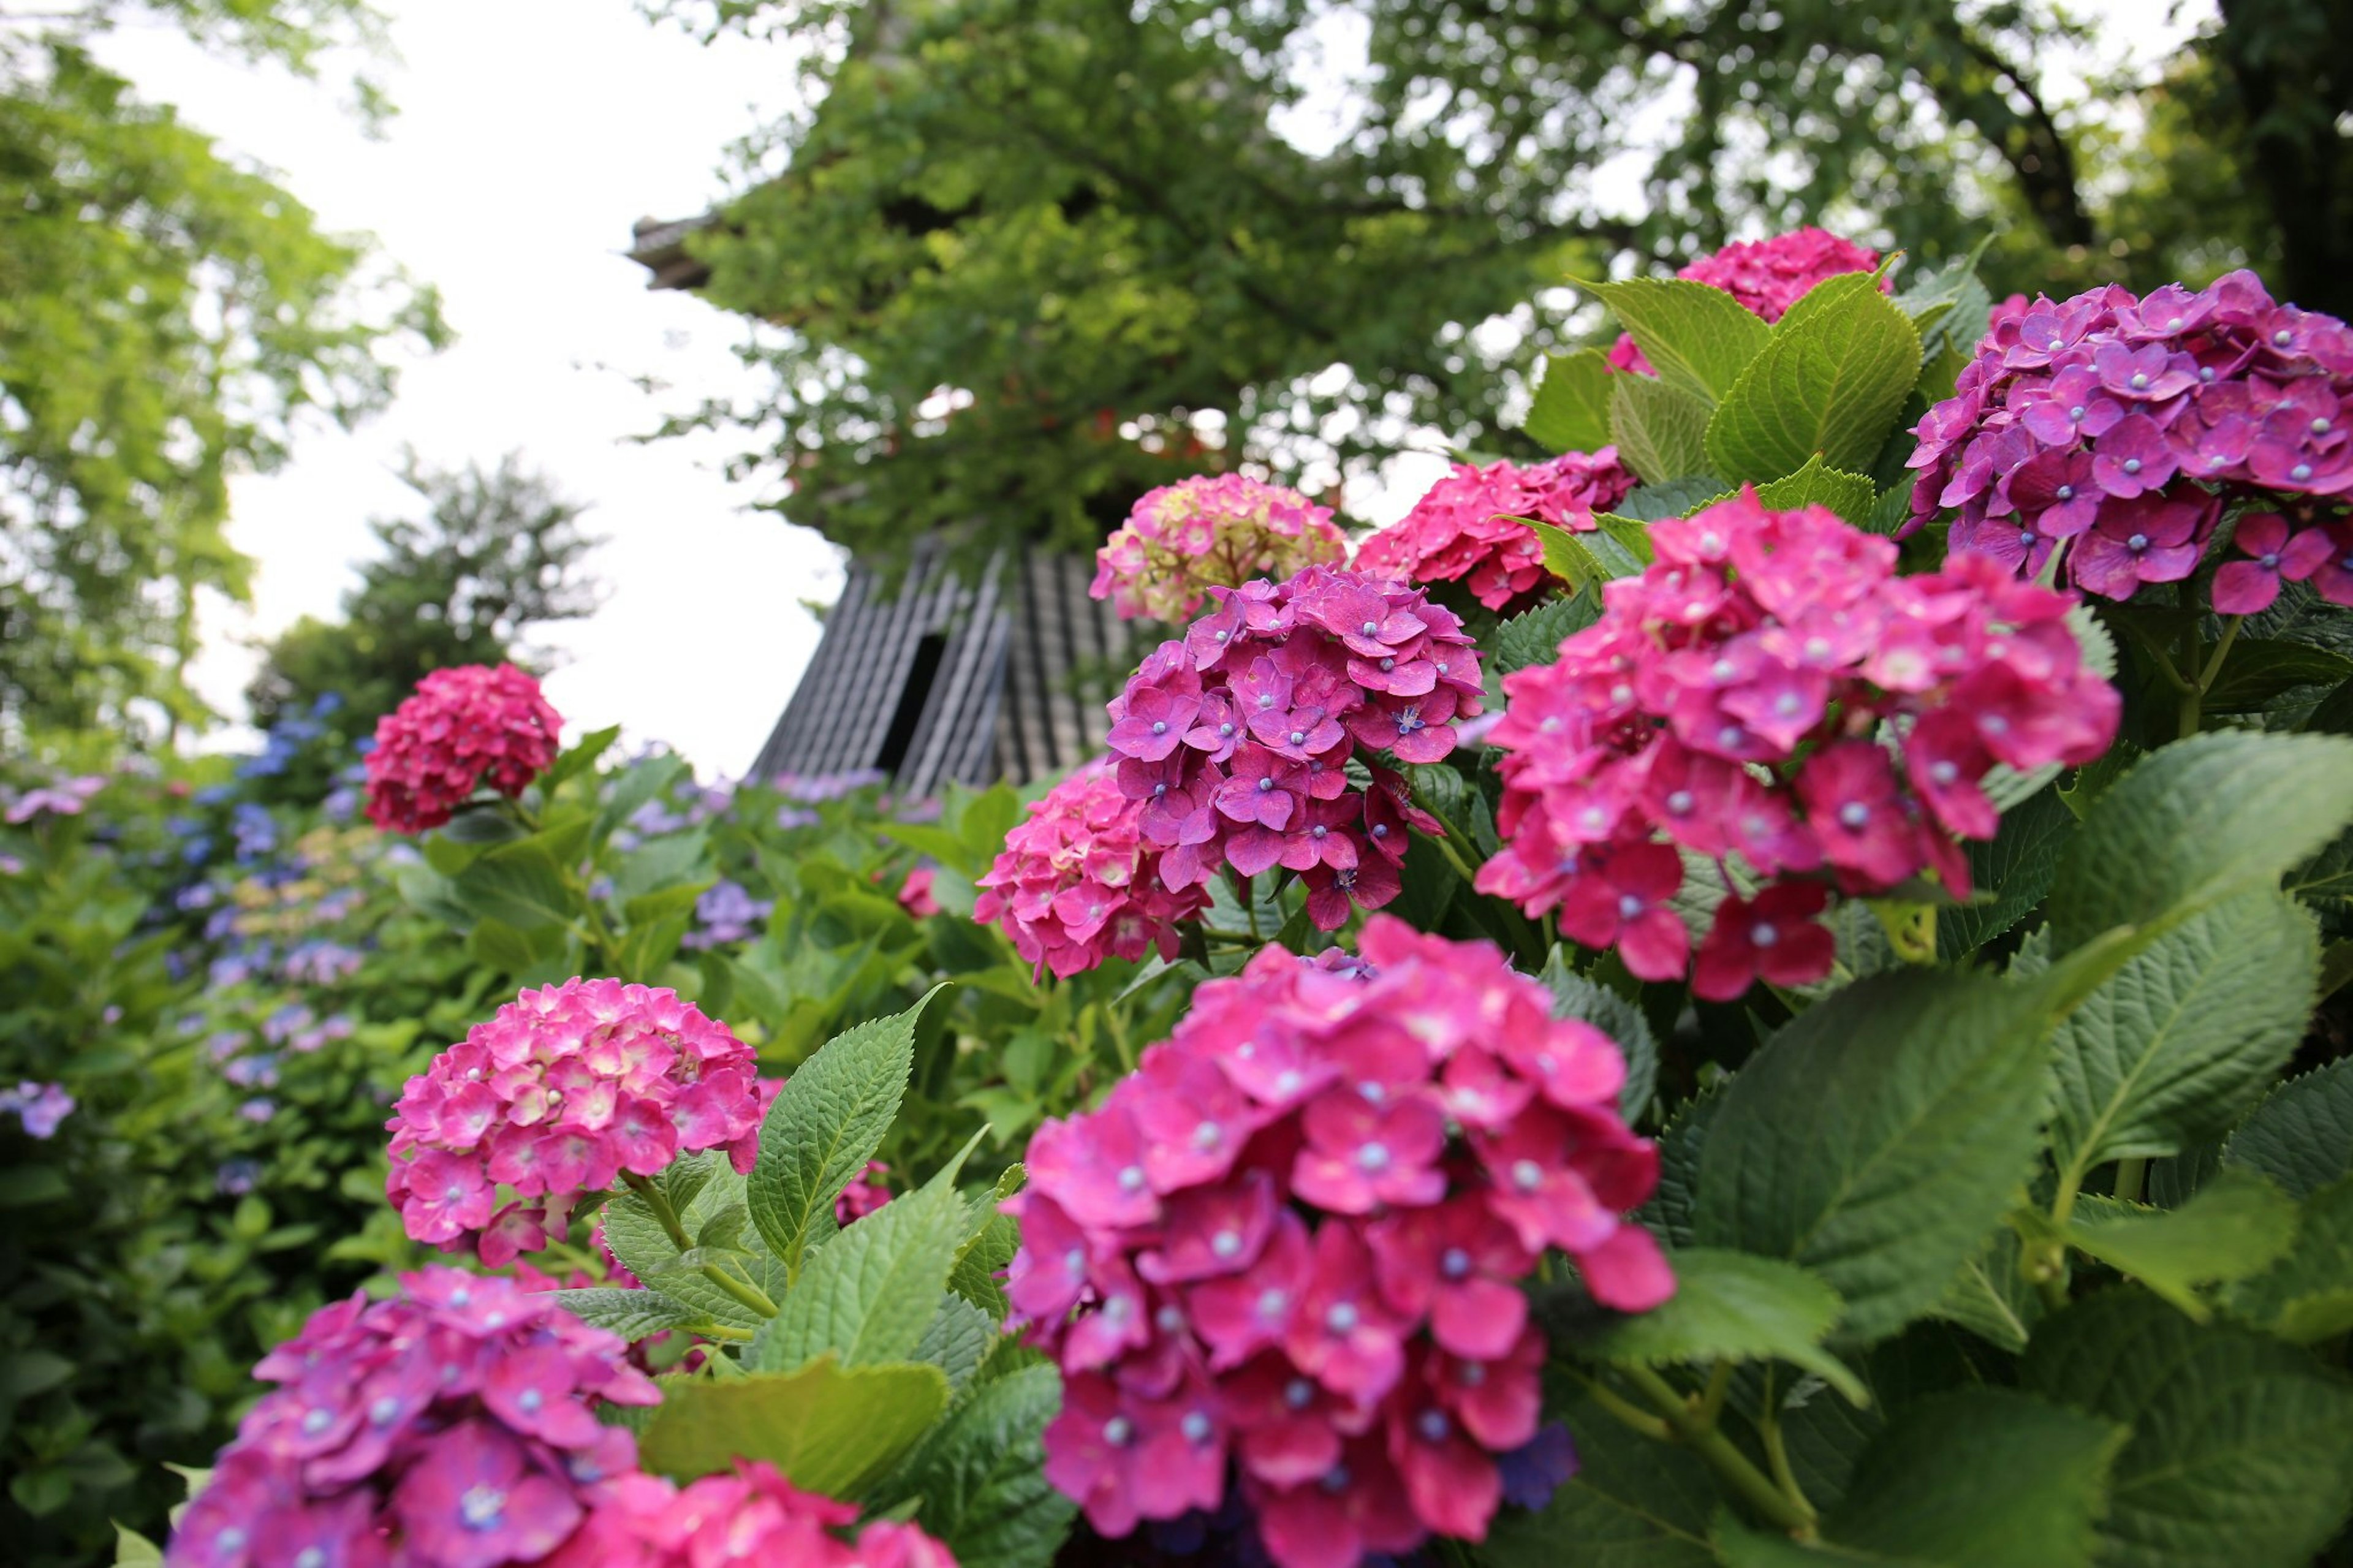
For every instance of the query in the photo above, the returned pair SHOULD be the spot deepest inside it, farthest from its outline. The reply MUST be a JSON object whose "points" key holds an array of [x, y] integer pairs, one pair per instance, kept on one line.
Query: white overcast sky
{"points": [[530, 134]]}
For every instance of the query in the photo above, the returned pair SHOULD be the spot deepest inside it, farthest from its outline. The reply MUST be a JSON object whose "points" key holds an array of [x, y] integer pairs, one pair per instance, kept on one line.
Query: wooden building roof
{"points": [[964, 676]]}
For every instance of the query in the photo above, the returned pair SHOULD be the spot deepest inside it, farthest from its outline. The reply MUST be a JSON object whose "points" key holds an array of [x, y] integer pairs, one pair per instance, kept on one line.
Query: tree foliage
{"points": [[1026, 258], [497, 552], [168, 320]]}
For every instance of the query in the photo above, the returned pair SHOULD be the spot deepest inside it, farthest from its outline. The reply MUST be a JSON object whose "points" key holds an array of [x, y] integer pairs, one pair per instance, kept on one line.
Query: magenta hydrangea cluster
{"points": [[462, 728], [1077, 883], [557, 1095], [1211, 530], [1288, 1249], [1767, 276], [1469, 527], [1769, 691], [2117, 432], [749, 1515], [452, 1427], [1234, 739]]}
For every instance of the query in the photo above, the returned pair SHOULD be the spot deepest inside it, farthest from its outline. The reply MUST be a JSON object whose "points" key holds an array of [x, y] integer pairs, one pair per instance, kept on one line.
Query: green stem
{"points": [[1627, 1413], [743, 1290], [2130, 1174], [1790, 1513], [1777, 1451], [1711, 1404], [1250, 908]]}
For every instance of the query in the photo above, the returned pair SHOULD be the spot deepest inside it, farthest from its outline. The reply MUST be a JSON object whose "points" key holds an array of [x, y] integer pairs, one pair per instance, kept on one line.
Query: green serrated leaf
{"points": [[1675, 1200], [2242, 1448], [1979, 1477], [2012, 871], [637, 1237], [956, 1339], [1660, 431], [1534, 638], [1696, 336], [132, 1550], [2302, 1136], [978, 1479], [1679, 496], [1631, 1503], [829, 1428], [1991, 1296], [826, 1124], [1735, 1307], [2185, 1036], [1879, 1137], [2198, 822], [988, 1247], [2235, 1226], [1571, 411], [1816, 484], [867, 1295], [633, 1315], [2308, 1296], [1831, 381]]}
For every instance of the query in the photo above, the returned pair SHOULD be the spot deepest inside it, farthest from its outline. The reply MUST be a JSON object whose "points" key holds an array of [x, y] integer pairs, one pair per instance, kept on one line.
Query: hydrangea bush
{"points": [[1833, 1076]]}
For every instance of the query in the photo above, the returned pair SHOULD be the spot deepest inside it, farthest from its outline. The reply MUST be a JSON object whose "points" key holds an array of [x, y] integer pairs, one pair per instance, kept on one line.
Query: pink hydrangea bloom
{"points": [[42, 1107], [1767, 276], [559, 1093], [2117, 431], [1294, 1242], [462, 728], [63, 797], [1770, 696], [451, 1426], [1233, 740], [915, 895], [752, 1514], [1469, 526], [1211, 530], [1077, 883], [863, 1195]]}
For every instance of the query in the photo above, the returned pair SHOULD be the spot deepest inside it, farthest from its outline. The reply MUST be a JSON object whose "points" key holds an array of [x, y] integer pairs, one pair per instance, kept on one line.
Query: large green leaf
{"points": [[1697, 337], [956, 1340], [978, 1479], [1735, 1307], [868, 1294], [2182, 1040], [2199, 822], [988, 1247], [826, 1124], [522, 883], [1632, 1504], [2242, 1448], [2255, 673], [1571, 411], [1660, 431], [632, 1314], [2308, 1296], [1831, 381], [828, 1428], [1980, 1477], [1879, 1137], [2235, 1226], [2302, 1136]]}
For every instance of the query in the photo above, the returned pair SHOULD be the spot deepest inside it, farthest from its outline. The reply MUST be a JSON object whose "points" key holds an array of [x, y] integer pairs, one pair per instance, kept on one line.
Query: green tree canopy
{"points": [[168, 319], [1023, 259], [497, 554]]}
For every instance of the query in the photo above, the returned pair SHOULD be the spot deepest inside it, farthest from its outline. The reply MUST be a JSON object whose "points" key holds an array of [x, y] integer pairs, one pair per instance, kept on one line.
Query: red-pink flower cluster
{"points": [[557, 1096], [2118, 430], [1469, 526], [1289, 1248], [452, 1427], [462, 728], [1234, 741], [1770, 690], [1767, 276], [1211, 530], [750, 1515], [1077, 884]]}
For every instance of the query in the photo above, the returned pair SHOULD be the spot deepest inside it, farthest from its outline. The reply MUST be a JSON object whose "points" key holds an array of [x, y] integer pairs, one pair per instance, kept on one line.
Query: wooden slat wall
{"points": [[1027, 662]]}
